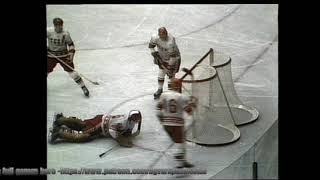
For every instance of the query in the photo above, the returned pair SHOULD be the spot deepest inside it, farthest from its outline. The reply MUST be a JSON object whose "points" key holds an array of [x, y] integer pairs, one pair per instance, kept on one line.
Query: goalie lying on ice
{"points": [[119, 127]]}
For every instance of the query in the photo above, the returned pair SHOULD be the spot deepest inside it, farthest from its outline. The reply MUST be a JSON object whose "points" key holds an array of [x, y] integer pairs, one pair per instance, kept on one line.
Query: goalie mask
{"points": [[134, 116]]}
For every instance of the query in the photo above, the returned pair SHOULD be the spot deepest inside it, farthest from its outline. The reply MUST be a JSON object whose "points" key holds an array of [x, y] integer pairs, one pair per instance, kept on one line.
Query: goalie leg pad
{"points": [[72, 123], [75, 137]]}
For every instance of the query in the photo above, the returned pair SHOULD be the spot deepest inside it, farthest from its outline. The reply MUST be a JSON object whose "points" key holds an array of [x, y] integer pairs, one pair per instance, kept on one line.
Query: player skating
{"points": [[167, 57], [61, 51], [170, 110]]}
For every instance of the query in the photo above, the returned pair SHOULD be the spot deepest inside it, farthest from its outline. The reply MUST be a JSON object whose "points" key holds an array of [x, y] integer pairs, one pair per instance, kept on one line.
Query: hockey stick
{"points": [[167, 70], [158, 59], [195, 65], [189, 72], [149, 149], [93, 82], [109, 150]]}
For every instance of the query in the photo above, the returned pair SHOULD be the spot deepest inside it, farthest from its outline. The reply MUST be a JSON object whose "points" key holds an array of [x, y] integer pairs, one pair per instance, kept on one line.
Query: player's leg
{"points": [[177, 65], [161, 75], [176, 134], [72, 129], [93, 125], [51, 64], [75, 137], [71, 122], [75, 76], [174, 65]]}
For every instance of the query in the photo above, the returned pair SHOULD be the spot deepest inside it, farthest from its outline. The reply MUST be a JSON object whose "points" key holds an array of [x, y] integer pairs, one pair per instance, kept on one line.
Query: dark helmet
{"points": [[57, 21]]}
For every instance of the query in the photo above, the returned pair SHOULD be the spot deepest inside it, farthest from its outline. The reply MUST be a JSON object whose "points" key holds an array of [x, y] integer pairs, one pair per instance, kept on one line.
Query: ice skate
{"points": [[85, 91], [55, 118], [53, 135], [53, 131], [185, 164], [157, 94]]}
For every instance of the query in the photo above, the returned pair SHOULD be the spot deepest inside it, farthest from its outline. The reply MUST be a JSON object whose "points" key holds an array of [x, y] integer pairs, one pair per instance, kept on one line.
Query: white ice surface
{"points": [[112, 48]]}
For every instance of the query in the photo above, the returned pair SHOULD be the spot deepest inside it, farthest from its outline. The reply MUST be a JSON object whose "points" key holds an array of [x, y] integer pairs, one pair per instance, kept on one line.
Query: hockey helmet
{"points": [[135, 115]]}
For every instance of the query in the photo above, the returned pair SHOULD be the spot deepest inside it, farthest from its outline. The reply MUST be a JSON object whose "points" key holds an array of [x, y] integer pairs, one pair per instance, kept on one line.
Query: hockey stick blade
{"points": [[102, 154], [109, 150], [95, 83]]}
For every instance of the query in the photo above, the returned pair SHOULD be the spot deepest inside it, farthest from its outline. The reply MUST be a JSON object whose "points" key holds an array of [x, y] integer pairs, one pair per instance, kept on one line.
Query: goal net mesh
{"points": [[219, 108]]}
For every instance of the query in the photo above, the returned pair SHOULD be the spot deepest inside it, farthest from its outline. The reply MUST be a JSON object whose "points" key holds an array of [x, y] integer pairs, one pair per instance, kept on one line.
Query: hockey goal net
{"points": [[219, 109]]}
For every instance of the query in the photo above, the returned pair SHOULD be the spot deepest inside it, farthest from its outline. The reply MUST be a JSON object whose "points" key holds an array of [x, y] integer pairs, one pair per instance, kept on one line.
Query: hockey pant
{"points": [[173, 66]]}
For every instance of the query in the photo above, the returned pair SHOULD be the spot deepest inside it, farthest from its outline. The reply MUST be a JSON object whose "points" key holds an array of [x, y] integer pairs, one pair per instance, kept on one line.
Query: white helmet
{"points": [[134, 113]]}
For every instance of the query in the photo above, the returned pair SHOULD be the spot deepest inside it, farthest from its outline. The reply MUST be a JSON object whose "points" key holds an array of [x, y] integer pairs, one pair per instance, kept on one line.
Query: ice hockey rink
{"points": [[112, 48]]}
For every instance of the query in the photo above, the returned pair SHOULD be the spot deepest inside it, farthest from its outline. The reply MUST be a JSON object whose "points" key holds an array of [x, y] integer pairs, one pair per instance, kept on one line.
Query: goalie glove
{"points": [[125, 141], [156, 57]]}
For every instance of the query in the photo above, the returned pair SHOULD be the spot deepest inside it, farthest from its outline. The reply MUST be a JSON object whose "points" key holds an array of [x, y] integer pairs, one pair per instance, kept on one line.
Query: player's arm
{"points": [[173, 54], [159, 108], [191, 104], [152, 44], [154, 53], [71, 47], [48, 34]]}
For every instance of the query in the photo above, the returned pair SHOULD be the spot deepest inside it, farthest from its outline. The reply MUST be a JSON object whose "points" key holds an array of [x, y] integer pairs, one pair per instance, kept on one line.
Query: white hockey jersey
{"points": [[171, 107], [165, 48], [58, 42], [114, 125]]}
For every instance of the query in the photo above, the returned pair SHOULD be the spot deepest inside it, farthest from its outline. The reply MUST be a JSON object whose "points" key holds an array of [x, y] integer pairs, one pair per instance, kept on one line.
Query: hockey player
{"points": [[119, 127], [170, 109], [60, 45], [167, 57]]}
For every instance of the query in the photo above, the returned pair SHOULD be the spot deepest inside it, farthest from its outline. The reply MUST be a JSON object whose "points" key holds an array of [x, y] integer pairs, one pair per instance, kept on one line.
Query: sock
{"points": [[75, 76], [160, 83], [180, 153]]}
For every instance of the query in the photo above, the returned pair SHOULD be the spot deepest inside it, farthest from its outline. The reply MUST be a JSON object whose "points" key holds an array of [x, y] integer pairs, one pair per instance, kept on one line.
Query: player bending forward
{"points": [[119, 127], [59, 41], [170, 110]]}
